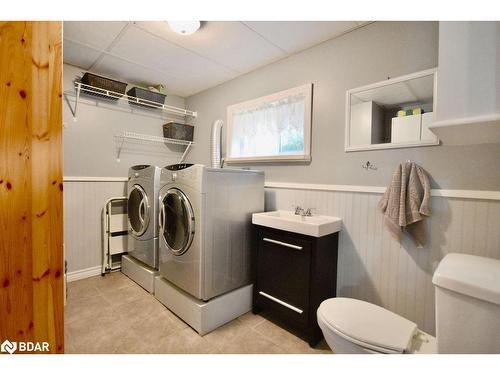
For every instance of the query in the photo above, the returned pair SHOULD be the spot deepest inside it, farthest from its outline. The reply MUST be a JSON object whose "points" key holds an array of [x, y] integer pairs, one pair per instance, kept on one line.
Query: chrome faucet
{"points": [[300, 211]]}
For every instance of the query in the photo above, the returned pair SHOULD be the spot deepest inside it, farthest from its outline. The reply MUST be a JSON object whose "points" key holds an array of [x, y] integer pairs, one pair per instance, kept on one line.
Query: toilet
{"points": [[352, 326], [467, 289]]}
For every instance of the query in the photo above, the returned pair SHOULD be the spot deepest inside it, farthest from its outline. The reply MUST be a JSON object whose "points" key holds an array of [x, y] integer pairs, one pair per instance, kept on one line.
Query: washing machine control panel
{"points": [[143, 171], [178, 167], [139, 167]]}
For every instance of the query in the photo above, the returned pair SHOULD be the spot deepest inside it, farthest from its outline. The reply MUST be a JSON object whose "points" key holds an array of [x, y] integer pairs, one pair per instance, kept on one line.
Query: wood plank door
{"points": [[31, 184]]}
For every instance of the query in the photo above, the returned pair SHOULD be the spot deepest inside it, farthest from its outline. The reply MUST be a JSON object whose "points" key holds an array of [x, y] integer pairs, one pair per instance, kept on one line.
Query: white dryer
{"points": [[142, 211], [205, 227]]}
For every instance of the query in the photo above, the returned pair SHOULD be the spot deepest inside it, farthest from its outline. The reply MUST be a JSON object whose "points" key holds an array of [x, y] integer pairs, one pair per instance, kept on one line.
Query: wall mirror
{"points": [[394, 113]]}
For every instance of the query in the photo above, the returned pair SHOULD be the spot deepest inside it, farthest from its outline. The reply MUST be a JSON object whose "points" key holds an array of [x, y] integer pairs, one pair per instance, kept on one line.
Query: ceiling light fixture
{"points": [[184, 27]]}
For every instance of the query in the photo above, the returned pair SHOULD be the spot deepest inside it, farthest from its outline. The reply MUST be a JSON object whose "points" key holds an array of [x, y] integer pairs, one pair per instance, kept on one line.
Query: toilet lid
{"points": [[367, 324]]}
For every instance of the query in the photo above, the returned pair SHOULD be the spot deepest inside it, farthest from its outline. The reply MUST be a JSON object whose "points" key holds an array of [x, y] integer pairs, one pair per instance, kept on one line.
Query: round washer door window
{"points": [[176, 221], [138, 210]]}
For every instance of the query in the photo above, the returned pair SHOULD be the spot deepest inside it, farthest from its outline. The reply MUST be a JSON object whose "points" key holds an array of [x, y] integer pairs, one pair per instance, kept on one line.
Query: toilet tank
{"points": [[467, 304]]}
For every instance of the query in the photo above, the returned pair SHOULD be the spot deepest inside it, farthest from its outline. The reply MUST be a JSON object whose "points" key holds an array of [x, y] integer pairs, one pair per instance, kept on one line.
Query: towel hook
{"points": [[368, 166]]}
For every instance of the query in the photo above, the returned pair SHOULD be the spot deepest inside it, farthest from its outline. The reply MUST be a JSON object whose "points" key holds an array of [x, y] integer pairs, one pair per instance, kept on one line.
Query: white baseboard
{"points": [[83, 274]]}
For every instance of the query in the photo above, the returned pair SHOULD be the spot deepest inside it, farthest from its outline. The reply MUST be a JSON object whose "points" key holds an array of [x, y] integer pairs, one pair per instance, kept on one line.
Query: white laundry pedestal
{"points": [[203, 316]]}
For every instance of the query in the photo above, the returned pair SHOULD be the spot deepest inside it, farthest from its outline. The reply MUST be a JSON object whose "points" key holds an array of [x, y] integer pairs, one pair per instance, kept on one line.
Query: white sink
{"points": [[316, 225]]}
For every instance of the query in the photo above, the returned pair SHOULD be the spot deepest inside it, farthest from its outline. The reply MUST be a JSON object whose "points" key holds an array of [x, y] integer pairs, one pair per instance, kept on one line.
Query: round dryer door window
{"points": [[176, 221], [138, 210]]}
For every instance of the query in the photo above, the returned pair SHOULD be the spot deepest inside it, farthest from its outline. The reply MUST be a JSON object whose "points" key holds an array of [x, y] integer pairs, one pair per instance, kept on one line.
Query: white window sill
{"points": [[269, 159]]}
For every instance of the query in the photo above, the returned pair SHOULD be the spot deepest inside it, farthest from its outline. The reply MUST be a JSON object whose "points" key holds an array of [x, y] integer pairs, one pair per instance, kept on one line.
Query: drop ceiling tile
{"points": [[183, 86], [98, 34], [149, 52], [117, 68], [78, 55], [140, 47], [293, 36], [228, 43]]}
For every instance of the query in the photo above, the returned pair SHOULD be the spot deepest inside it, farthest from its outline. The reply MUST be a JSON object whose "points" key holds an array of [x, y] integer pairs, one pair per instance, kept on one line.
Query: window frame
{"points": [[306, 90]]}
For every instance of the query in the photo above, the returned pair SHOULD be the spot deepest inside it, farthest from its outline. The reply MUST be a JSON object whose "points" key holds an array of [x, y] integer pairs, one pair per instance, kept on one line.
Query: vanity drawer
{"points": [[283, 267], [292, 274]]}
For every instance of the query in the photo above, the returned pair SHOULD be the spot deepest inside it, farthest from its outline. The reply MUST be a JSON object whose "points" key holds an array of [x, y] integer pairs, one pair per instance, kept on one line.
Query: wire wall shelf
{"points": [[115, 100], [146, 138]]}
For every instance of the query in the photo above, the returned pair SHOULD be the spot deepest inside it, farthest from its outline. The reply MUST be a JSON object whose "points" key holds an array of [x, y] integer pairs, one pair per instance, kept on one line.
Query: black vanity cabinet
{"points": [[292, 274]]}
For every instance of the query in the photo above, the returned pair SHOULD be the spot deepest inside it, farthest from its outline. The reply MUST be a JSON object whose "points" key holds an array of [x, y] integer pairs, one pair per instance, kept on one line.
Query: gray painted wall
{"points": [[364, 56], [469, 57], [89, 146]]}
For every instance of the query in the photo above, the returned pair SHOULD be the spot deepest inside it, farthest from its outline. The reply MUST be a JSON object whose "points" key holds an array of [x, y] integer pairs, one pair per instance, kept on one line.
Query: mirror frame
{"points": [[382, 146]]}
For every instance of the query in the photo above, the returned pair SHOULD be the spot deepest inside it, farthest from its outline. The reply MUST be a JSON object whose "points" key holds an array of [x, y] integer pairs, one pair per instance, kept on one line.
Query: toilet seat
{"points": [[367, 325]]}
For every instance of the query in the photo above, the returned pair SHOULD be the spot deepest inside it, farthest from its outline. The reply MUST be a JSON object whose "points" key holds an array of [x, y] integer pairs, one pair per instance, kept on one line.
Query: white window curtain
{"points": [[275, 128]]}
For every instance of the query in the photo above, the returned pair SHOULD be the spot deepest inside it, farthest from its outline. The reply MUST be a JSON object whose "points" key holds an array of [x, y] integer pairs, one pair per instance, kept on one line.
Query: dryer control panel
{"points": [[182, 175]]}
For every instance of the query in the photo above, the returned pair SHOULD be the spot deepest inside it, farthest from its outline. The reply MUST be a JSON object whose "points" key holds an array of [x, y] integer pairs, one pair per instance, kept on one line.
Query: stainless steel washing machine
{"points": [[143, 190], [205, 227]]}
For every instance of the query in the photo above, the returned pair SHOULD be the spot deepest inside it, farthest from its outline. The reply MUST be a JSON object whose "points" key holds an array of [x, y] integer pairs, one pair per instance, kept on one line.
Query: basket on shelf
{"points": [[102, 85], [151, 99], [175, 130]]}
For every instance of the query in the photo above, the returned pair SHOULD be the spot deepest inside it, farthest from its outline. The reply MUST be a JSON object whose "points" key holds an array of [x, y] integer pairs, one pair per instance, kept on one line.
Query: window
{"points": [[271, 128]]}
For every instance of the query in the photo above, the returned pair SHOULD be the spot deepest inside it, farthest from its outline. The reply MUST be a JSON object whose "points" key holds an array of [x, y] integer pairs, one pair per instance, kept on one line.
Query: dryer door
{"points": [[138, 210], [176, 221]]}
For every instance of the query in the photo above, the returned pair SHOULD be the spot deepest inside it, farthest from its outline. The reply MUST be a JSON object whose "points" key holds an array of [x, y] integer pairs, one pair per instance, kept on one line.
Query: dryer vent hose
{"points": [[216, 144]]}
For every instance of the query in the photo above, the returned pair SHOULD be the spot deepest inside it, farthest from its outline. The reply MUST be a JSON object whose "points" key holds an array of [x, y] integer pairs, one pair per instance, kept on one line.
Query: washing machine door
{"points": [[176, 221], [138, 210]]}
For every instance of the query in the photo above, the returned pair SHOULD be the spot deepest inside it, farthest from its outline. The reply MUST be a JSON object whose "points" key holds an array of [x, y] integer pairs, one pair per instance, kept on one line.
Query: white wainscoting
{"points": [[372, 265], [375, 267], [83, 204]]}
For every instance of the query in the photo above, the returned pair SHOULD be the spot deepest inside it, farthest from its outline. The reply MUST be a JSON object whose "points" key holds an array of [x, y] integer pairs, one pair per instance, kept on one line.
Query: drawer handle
{"points": [[296, 309], [283, 244]]}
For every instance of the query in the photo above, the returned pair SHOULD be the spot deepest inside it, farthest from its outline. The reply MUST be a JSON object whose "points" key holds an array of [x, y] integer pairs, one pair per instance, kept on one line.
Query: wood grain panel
{"points": [[375, 267], [31, 271]]}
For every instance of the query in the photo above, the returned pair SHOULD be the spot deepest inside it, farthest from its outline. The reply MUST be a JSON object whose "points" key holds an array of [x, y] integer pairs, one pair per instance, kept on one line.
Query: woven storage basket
{"points": [[103, 84], [157, 98], [178, 131]]}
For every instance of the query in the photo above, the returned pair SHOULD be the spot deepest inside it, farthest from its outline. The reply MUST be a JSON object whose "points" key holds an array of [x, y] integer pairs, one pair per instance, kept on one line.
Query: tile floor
{"points": [[112, 314]]}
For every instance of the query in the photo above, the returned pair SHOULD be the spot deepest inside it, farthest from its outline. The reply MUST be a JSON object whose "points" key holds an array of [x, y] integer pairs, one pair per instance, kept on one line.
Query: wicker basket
{"points": [[103, 84], [175, 130], [157, 98]]}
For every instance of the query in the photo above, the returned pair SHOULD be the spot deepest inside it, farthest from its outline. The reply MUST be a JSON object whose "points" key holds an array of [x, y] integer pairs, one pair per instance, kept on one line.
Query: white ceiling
{"points": [[150, 53]]}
